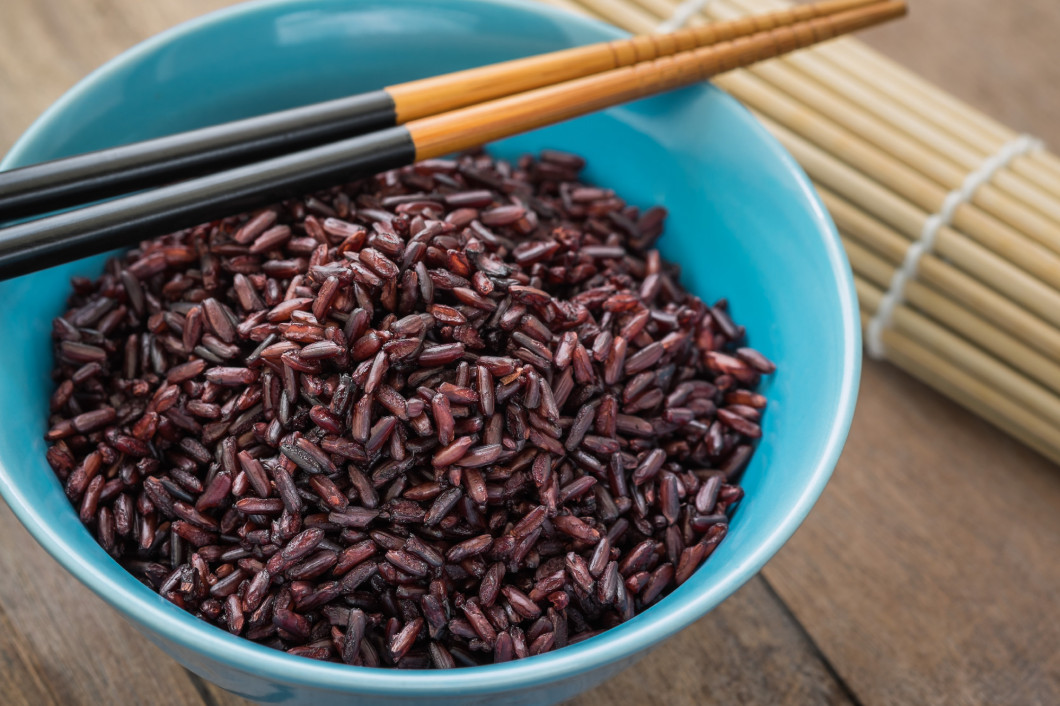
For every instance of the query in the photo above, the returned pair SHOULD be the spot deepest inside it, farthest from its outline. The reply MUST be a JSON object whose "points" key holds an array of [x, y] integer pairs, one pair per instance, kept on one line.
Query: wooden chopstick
{"points": [[920, 141], [440, 94], [48, 241], [106, 173], [461, 129], [980, 321]]}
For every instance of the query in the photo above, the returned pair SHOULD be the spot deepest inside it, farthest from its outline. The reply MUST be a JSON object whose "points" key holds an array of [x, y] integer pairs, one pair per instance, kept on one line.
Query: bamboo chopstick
{"points": [[47, 241], [106, 173], [439, 94], [981, 319], [457, 130], [1036, 252]]}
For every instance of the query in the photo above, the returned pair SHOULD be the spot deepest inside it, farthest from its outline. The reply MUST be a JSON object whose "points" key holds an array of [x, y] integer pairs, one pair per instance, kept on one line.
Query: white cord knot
{"points": [[895, 294], [681, 15]]}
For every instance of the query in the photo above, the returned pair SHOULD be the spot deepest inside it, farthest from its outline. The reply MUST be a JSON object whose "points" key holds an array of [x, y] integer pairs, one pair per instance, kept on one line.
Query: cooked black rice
{"points": [[455, 414]]}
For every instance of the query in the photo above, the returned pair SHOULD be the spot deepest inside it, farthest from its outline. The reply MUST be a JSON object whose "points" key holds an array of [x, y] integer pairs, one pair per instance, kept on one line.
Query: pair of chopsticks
{"points": [[295, 151]]}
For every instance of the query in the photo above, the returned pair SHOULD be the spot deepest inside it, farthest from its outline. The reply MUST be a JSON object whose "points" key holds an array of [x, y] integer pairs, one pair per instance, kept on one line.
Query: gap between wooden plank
{"points": [[825, 662], [748, 650], [927, 573]]}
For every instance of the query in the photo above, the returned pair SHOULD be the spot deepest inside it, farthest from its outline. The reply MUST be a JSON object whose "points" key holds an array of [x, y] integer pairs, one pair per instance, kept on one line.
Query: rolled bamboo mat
{"points": [[951, 220]]}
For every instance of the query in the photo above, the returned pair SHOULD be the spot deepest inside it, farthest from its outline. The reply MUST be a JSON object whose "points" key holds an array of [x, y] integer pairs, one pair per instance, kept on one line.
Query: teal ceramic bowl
{"points": [[744, 224]]}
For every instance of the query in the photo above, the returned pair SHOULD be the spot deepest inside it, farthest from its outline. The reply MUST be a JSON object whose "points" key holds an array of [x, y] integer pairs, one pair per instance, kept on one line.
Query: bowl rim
{"points": [[253, 658]]}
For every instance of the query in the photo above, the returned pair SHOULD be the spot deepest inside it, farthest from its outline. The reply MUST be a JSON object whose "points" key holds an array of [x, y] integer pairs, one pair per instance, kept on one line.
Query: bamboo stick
{"points": [[933, 162], [921, 360], [947, 312], [875, 133], [951, 179], [622, 14], [1033, 257], [978, 128], [963, 355], [903, 87], [659, 8], [815, 65], [889, 245], [617, 12], [1028, 291], [911, 185], [946, 112], [884, 205], [970, 392]]}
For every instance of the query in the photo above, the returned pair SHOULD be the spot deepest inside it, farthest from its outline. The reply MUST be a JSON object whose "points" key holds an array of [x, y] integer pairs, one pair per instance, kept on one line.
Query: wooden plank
{"points": [[20, 671], [926, 574], [928, 571], [749, 650], [72, 648]]}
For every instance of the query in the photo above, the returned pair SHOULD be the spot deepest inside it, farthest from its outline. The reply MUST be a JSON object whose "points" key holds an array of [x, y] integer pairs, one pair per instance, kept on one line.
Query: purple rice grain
{"points": [[457, 413]]}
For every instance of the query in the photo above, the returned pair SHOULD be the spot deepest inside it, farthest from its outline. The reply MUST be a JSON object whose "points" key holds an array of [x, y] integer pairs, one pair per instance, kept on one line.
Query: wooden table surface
{"points": [[928, 573]]}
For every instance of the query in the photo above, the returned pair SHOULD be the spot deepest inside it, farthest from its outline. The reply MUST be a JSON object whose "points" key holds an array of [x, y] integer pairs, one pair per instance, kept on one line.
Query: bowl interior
{"points": [[744, 224]]}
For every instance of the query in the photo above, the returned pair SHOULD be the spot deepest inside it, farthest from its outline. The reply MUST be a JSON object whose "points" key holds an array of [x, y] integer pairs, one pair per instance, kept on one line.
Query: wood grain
{"points": [[20, 669], [926, 574], [63, 645], [749, 650]]}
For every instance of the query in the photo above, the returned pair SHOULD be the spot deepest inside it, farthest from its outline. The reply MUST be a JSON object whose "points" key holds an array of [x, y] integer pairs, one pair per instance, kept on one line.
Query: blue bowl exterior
{"points": [[744, 223]]}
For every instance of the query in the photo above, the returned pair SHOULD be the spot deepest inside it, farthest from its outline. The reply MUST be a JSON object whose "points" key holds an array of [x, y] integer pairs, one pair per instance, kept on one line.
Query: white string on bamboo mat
{"points": [[895, 294], [986, 172], [682, 14]]}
